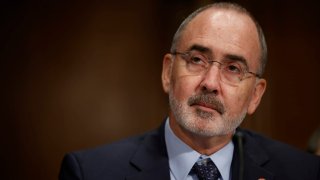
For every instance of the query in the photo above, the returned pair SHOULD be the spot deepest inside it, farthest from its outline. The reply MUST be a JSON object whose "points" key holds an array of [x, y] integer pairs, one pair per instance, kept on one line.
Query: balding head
{"points": [[229, 7]]}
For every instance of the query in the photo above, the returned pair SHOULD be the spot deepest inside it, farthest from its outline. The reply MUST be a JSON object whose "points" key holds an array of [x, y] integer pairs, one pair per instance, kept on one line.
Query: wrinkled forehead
{"points": [[225, 30], [223, 18]]}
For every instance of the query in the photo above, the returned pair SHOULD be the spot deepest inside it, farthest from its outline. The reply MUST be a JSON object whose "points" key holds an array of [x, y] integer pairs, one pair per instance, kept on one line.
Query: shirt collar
{"points": [[182, 157]]}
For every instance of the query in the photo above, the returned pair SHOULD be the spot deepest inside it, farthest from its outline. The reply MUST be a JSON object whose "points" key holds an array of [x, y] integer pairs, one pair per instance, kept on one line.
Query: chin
{"points": [[206, 127]]}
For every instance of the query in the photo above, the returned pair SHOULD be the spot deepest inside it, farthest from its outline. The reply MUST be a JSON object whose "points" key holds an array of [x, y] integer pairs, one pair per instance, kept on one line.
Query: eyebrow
{"points": [[200, 48]]}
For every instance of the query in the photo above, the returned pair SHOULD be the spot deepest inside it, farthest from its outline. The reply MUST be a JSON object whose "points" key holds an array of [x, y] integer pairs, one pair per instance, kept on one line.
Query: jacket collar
{"points": [[255, 158], [151, 158]]}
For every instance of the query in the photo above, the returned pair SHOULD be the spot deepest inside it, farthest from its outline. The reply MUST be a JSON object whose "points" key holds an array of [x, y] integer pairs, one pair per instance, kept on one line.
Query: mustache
{"points": [[209, 100]]}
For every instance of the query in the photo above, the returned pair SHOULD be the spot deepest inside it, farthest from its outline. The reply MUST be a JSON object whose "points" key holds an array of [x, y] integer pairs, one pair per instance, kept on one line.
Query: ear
{"points": [[166, 72], [258, 92]]}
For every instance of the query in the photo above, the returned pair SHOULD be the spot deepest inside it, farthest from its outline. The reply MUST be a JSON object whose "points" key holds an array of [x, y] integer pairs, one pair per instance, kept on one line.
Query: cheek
{"points": [[184, 87], [237, 99]]}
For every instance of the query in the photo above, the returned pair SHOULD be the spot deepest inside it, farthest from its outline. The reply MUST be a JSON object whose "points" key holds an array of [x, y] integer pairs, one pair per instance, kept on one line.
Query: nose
{"points": [[211, 80]]}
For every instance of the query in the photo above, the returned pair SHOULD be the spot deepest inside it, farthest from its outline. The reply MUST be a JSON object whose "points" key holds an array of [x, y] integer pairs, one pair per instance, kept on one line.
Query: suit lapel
{"points": [[151, 158], [254, 160]]}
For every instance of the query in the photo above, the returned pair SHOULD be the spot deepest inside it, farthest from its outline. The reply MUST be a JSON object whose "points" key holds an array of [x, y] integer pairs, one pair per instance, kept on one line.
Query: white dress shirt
{"points": [[182, 157]]}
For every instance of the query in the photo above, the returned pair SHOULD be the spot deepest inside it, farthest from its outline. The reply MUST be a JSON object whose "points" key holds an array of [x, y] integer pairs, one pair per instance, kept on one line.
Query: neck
{"points": [[202, 144]]}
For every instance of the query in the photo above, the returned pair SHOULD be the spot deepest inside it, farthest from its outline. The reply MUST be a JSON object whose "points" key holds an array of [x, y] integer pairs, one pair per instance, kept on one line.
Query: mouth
{"points": [[206, 103], [206, 107]]}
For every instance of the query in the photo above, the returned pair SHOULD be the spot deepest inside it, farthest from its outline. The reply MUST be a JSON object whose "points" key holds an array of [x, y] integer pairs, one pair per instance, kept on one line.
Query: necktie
{"points": [[206, 170]]}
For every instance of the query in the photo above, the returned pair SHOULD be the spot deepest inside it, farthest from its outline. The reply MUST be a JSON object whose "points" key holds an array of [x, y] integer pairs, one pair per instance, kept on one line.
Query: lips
{"points": [[206, 105], [207, 101]]}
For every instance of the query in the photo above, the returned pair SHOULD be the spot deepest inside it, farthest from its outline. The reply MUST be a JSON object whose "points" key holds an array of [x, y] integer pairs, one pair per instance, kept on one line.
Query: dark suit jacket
{"points": [[145, 158]]}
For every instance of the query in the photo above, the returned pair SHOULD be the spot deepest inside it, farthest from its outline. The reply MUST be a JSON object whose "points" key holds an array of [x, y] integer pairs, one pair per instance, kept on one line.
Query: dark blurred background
{"points": [[80, 74]]}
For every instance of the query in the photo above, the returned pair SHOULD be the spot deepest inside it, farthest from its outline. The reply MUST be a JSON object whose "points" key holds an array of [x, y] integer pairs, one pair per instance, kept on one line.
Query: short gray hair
{"points": [[230, 6]]}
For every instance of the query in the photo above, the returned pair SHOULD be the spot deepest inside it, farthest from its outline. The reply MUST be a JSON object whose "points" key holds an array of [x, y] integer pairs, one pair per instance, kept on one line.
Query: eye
{"points": [[233, 68], [197, 59]]}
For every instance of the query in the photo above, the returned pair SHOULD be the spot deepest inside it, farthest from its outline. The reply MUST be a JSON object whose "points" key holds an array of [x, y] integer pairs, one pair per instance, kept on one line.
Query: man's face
{"points": [[204, 104]]}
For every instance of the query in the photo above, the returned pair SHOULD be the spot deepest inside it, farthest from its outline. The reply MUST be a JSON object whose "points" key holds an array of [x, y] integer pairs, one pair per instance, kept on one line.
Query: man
{"points": [[213, 78]]}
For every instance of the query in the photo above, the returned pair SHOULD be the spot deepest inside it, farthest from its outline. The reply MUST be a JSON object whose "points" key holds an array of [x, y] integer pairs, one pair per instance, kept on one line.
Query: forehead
{"points": [[223, 32]]}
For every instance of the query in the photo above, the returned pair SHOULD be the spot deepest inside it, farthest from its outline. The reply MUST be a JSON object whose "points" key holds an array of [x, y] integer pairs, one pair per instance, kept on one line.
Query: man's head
{"points": [[211, 74], [230, 6]]}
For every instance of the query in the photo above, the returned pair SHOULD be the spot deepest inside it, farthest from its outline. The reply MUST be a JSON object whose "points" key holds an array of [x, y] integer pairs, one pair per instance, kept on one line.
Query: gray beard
{"points": [[188, 120]]}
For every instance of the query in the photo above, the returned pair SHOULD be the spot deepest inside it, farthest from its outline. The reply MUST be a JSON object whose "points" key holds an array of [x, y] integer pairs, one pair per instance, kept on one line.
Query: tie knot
{"points": [[206, 170]]}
